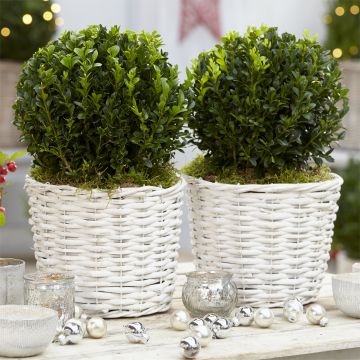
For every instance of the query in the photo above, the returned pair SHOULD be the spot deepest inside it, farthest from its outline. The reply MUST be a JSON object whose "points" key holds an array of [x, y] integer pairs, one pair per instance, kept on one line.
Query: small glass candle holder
{"points": [[52, 290], [209, 292], [11, 281]]}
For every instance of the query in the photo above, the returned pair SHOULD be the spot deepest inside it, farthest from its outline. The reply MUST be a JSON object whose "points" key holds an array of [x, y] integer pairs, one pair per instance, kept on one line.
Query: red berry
{"points": [[3, 170], [2, 179], [2, 209], [11, 166]]}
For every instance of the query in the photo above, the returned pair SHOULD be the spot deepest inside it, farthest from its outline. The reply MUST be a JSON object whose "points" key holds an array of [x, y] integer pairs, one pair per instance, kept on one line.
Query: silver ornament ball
{"points": [[179, 320], [263, 317], [194, 323], [221, 328], [136, 333], [203, 334], [78, 311], [210, 319], [96, 327], [314, 313], [324, 321], [191, 347], [245, 315], [292, 309], [73, 331]]}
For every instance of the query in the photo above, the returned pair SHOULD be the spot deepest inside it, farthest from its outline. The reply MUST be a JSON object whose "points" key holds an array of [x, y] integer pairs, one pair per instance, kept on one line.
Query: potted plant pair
{"points": [[102, 112], [268, 108]]}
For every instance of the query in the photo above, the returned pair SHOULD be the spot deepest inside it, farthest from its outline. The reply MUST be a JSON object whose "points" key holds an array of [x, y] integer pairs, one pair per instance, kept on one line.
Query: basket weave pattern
{"points": [[275, 239], [122, 249]]}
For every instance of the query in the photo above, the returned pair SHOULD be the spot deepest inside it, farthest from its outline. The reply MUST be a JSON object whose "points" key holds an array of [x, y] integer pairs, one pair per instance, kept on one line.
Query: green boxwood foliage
{"points": [[347, 224], [101, 107], [266, 102], [24, 39]]}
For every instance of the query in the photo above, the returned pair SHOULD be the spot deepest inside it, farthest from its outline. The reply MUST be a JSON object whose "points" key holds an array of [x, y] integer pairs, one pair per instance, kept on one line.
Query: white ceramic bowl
{"points": [[26, 330], [346, 291]]}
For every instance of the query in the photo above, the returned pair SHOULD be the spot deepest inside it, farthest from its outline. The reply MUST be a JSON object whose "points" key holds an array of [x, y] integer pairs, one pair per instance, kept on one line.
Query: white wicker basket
{"points": [[122, 250], [275, 238]]}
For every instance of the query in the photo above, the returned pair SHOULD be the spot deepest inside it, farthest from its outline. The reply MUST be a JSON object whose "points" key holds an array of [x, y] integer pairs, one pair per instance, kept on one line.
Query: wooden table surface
{"points": [[282, 340]]}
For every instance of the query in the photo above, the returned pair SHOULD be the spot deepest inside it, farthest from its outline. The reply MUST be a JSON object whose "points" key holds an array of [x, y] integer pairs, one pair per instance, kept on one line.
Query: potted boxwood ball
{"points": [[102, 112], [267, 109]]}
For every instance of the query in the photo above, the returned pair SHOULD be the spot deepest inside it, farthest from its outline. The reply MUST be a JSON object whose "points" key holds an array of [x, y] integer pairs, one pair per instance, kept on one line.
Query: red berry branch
{"points": [[7, 165]]}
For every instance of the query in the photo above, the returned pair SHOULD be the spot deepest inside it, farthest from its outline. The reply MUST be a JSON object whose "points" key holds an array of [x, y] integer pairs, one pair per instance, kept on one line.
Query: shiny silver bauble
{"points": [[72, 333], [292, 309], [136, 333], [263, 317], [221, 328], [210, 319], [191, 347], [245, 315]]}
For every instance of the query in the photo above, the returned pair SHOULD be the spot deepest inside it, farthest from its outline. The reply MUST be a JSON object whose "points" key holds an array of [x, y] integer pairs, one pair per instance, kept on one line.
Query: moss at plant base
{"points": [[163, 177], [202, 167]]}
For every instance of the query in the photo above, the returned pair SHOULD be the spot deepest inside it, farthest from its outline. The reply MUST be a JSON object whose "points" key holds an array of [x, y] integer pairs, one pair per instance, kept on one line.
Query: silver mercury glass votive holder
{"points": [[52, 290], [11, 281], [209, 292]]}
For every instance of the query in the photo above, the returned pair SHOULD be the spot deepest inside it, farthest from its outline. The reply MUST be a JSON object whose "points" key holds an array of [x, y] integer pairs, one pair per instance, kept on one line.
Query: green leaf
{"points": [[113, 50], [17, 155]]}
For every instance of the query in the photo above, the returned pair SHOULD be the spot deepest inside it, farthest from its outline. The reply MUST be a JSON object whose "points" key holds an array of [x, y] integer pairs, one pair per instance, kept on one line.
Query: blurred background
{"points": [[187, 27]]}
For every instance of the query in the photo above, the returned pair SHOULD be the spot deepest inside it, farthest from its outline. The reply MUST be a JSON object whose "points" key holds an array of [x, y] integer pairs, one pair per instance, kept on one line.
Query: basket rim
{"points": [[30, 181], [336, 180]]}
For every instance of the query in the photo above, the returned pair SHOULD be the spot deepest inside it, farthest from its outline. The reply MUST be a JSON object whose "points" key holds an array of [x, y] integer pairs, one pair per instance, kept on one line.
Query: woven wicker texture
{"points": [[122, 251], [275, 239]]}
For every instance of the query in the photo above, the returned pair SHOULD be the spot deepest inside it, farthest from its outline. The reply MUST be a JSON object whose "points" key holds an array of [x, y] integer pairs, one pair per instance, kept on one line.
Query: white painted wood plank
{"points": [[283, 339]]}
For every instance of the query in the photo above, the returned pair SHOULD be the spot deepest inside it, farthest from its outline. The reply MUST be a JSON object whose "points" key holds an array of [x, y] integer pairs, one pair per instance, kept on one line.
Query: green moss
{"points": [[202, 167], [164, 177]]}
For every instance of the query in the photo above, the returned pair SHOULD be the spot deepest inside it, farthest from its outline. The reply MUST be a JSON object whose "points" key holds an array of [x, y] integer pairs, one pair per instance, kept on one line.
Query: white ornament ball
{"points": [[203, 334], [179, 320], [245, 315], [263, 317], [315, 313], [324, 321], [191, 347], [96, 327], [293, 309]]}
